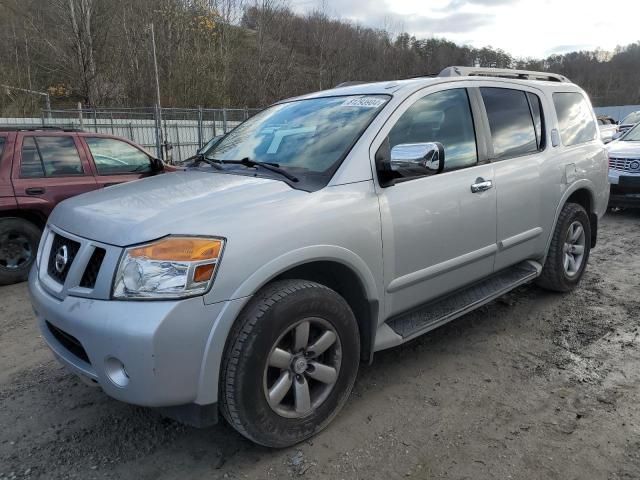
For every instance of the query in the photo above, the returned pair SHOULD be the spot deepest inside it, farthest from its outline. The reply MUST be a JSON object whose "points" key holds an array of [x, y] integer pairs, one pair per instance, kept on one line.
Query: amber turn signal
{"points": [[203, 273], [180, 249]]}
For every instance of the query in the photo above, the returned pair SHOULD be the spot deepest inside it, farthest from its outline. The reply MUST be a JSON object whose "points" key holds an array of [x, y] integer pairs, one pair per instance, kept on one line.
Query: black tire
{"points": [[16, 233], [554, 276], [272, 311]]}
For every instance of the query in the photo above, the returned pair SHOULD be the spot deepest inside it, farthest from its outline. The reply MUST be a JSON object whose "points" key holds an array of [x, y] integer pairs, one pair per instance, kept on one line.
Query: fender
{"points": [[216, 342], [575, 186]]}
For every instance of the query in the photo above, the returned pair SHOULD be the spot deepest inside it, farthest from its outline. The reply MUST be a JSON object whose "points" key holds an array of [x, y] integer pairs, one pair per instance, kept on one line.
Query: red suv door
{"points": [[48, 168], [116, 161]]}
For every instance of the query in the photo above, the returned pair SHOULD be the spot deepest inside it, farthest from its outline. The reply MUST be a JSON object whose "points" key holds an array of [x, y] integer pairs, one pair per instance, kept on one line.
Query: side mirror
{"points": [[156, 164], [417, 159], [616, 135]]}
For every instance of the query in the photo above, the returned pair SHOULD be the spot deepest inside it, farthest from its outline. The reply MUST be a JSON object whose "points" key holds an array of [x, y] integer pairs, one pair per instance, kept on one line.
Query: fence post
{"points": [[158, 128], [214, 122], [199, 127], [131, 132], [80, 116], [178, 146], [246, 113], [43, 120], [111, 116], [224, 120], [95, 120]]}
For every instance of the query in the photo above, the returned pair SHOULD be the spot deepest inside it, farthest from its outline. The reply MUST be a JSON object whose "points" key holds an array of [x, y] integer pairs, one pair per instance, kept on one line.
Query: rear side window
{"points": [[510, 119], [49, 157], [574, 118]]}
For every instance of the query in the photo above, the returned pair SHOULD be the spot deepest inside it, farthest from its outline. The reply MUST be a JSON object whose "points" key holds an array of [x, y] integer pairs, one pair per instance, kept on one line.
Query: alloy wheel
{"points": [[302, 368], [574, 247]]}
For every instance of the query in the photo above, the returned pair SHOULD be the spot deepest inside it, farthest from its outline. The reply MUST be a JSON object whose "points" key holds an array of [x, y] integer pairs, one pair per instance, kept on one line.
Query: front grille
{"points": [[93, 268], [625, 164], [58, 270], [69, 342]]}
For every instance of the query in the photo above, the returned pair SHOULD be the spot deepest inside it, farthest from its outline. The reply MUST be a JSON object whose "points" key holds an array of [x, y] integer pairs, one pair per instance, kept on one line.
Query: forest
{"points": [[238, 53]]}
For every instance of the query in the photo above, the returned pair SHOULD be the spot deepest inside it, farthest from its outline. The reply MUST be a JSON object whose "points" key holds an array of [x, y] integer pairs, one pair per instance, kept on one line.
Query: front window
{"points": [[632, 118], [632, 135], [307, 138], [114, 157]]}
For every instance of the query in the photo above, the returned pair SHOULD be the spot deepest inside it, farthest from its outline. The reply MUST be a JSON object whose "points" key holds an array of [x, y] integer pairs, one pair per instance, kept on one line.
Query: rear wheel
{"points": [[569, 250], [19, 240], [290, 363]]}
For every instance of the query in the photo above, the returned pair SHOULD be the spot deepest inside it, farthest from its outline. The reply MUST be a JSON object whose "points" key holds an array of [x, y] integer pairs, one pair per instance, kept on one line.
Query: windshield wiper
{"points": [[273, 167], [199, 158]]}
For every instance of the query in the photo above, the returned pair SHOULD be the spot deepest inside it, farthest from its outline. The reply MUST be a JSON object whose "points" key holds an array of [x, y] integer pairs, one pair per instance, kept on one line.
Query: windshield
{"points": [[632, 135], [306, 137], [631, 118]]}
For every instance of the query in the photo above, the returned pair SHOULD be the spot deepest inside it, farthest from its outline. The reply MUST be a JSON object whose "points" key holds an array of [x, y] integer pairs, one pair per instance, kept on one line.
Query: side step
{"points": [[438, 312]]}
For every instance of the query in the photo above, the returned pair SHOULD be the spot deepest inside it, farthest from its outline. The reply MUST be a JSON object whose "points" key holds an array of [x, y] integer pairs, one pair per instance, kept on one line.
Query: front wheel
{"points": [[19, 241], [290, 363], [569, 250]]}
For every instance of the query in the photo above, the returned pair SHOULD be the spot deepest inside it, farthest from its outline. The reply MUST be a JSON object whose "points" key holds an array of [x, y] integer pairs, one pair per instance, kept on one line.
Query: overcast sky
{"points": [[524, 28]]}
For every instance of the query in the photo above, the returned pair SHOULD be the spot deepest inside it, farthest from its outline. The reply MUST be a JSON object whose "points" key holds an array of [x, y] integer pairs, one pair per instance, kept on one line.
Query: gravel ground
{"points": [[534, 385]]}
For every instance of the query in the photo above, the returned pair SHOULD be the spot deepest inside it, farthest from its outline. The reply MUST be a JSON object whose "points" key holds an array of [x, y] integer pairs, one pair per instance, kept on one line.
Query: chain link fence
{"points": [[174, 134]]}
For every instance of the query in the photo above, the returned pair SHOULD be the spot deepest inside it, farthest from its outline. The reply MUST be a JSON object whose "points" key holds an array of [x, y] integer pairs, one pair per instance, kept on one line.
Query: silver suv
{"points": [[324, 229]]}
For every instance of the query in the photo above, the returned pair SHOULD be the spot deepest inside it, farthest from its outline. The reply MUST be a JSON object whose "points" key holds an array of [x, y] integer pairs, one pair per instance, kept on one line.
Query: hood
{"points": [[189, 202], [622, 149]]}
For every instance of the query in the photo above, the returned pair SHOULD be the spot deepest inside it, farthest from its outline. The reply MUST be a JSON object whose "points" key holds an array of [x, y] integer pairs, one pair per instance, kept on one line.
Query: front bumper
{"points": [[161, 344], [625, 189]]}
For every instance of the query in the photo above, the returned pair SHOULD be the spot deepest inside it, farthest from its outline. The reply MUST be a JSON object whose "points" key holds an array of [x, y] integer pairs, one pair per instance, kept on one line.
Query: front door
{"points": [[438, 234]]}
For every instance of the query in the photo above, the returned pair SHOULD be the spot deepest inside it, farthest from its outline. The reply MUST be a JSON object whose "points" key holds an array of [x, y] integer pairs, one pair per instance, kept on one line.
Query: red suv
{"points": [[41, 167]]}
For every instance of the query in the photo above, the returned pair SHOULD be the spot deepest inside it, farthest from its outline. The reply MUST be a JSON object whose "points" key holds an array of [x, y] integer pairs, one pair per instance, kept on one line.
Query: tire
{"points": [[555, 275], [272, 319], [19, 241]]}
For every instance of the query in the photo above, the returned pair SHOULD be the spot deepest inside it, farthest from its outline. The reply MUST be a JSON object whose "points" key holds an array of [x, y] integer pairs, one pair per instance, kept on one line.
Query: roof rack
{"points": [[34, 128], [502, 72], [350, 83]]}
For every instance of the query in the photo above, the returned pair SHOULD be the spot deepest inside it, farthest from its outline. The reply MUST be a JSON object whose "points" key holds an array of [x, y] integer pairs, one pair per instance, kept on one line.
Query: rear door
{"points": [[47, 169], [116, 161], [527, 176]]}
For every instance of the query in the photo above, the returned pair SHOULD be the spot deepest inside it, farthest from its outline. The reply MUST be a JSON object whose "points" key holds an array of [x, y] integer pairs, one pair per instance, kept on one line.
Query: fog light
{"points": [[116, 372]]}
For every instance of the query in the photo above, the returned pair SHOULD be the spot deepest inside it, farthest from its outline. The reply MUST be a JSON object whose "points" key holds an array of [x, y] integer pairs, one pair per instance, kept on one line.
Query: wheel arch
{"points": [[332, 266], [35, 217], [582, 193]]}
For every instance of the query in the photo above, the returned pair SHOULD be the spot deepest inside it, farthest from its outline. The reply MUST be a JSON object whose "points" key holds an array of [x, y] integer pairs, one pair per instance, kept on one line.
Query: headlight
{"points": [[173, 267]]}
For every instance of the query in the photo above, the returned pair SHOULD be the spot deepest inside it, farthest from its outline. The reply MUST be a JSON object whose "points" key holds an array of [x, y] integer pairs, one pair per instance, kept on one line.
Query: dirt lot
{"points": [[534, 385]]}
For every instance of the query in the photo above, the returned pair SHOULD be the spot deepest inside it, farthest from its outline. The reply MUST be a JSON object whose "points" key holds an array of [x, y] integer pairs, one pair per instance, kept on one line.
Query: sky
{"points": [[523, 28]]}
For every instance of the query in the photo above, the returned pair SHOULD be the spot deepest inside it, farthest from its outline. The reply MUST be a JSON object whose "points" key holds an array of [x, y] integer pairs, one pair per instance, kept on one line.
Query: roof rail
{"points": [[35, 128], [502, 72], [350, 83]]}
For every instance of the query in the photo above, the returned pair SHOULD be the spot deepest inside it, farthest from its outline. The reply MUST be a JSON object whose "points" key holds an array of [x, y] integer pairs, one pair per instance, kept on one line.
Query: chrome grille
{"points": [[58, 269], [625, 164]]}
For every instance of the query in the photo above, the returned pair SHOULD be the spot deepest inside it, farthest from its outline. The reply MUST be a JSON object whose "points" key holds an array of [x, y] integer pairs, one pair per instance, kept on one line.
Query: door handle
{"points": [[35, 191], [481, 185]]}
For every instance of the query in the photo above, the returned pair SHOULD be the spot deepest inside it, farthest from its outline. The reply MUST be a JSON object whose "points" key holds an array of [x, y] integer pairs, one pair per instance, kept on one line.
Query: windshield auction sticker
{"points": [[364, 102]]}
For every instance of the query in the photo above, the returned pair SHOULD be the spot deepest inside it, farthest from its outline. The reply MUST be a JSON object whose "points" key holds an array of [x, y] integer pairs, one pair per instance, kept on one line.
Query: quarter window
{"points": [[575, 118], [113, 156], [443, 117], [50, 157], [511, 123]]}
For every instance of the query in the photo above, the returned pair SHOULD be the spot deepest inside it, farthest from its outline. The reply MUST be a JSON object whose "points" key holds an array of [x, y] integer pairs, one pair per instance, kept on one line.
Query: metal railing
{"points": [[173, 133]]}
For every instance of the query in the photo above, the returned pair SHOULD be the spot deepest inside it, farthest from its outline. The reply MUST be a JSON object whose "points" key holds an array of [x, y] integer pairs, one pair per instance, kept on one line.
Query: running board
{"points": [[438, 312]]}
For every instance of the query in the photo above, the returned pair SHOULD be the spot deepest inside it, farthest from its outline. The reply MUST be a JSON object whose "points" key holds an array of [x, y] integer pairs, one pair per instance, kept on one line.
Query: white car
{"points": [[624, 169]]}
